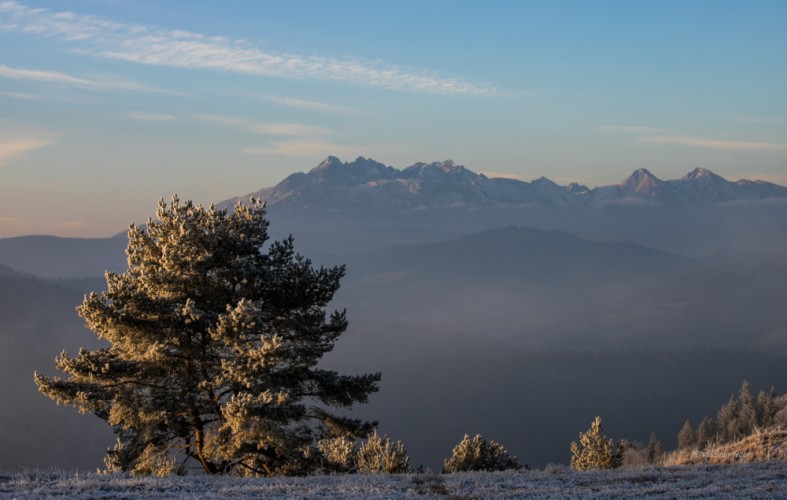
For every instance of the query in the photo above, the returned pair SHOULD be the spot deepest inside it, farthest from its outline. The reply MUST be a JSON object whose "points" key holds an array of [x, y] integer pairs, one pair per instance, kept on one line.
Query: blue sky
{"points": [[108, 105]]}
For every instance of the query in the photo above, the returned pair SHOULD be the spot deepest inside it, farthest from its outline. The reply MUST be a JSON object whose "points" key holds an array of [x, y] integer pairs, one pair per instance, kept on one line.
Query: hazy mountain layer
{"points": [[54, 257], [698, 214]]}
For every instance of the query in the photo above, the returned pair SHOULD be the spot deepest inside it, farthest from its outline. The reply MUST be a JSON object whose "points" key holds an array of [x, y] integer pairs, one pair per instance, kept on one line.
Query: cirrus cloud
{"points": [[156, 46], [700, 142], [152, 117], [665, 136], [12, 149], [66, 79], [266, 128]]}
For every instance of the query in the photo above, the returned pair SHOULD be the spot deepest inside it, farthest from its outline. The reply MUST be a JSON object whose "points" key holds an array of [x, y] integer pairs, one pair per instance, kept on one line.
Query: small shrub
{"points": [[381, 456], [338, 454], [595, 451], [478, 454]]}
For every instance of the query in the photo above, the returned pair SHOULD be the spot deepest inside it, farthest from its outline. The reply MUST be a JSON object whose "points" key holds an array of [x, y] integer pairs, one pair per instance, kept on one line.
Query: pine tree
{"points": [[213, 347], [478, 454], [766, 407], [747, 413], [338, 454], [687, 438], [706, 432], [595, 451], [727, 420], [654, 450], [379, 455]]}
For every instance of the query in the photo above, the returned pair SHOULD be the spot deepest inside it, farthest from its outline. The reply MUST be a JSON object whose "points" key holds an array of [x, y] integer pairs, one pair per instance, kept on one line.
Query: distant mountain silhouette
{"points": [[697, 214], [53, 257], [519, 255], [367, 184]]}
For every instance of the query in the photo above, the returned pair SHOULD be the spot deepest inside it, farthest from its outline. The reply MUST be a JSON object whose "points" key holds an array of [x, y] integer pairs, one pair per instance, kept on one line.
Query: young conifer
{"points": [[654, 450], [213, 347], [766, 407], [596, 451], [687, 436], [747, 414], [380, 455], [478, 454], [706, 433]]}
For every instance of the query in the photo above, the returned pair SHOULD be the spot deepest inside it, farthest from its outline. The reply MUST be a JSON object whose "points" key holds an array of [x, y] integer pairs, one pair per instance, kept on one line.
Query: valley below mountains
{"points": [[519, 310]]}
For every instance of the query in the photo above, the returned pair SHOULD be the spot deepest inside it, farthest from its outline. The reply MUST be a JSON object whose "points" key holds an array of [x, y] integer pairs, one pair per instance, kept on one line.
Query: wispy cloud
{"points": [[266, 128], [305, 148], [66, 79], [152, 117], [700, 142], [320, 148], [157, 46], [12, 149], [308, 105], [295, 129], [761, 120], [23, 96], [296, 139], [666, 136], [631, 129]]}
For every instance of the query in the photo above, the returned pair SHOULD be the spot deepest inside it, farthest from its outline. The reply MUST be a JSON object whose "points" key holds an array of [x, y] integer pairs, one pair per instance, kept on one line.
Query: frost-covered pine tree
{"points": [[380, 455], [478, 454], [706, 433], [337, 454], [766, 407], [596, 451], [213, 350], [687, 436], [747, 414], [654, 450], [727, 420]]}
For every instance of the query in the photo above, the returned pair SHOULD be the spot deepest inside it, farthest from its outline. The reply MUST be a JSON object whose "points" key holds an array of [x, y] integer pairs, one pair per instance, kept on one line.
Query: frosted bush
{"points": [[595, 451], [338, 454], [478, 454], [381, 456]]}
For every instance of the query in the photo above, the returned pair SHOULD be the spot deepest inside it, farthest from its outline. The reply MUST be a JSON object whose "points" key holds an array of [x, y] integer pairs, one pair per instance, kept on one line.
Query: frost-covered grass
{"points": [[761, 480]]}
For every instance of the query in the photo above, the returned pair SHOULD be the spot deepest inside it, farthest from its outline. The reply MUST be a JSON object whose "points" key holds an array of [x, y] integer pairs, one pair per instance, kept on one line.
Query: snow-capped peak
{"points": [[700, 173], [327, 163], [642, 182]]}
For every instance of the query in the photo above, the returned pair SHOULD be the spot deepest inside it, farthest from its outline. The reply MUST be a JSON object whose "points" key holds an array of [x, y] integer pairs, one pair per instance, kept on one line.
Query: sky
{"points": [[107, 106]]}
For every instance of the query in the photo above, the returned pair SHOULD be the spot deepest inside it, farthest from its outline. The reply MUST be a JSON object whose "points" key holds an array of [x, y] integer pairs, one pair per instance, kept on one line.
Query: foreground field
{"points": [[763, 480]]}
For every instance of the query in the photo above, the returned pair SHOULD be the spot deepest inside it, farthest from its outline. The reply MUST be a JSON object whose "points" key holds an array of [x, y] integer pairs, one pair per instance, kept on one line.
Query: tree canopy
{"points": [[214, 342]]}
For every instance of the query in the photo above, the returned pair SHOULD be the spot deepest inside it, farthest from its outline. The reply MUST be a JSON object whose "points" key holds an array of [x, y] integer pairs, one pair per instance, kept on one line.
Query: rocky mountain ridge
{"points": [[370, 185]]}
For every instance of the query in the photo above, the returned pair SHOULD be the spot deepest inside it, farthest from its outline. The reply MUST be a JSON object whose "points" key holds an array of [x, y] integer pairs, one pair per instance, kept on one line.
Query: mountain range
{"points": [[361, 205], [370, 185]]}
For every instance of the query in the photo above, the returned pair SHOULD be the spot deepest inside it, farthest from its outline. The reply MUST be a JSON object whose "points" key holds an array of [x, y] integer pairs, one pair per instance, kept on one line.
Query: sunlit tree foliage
{"points": [[214, 342]]}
